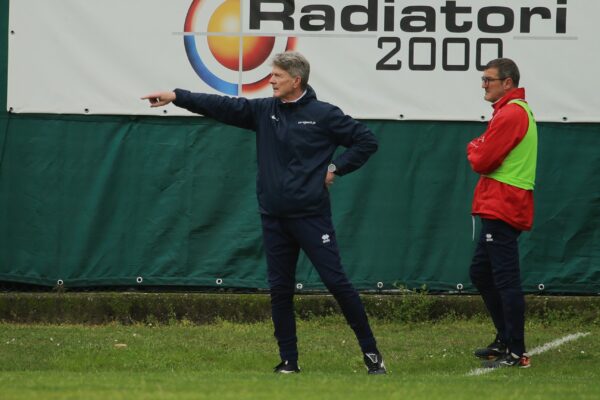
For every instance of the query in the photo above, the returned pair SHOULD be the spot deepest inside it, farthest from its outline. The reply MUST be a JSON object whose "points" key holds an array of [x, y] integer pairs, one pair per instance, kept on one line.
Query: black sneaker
{"points": [[287, 367], [493, 351], [509, 360], [374, 363]]}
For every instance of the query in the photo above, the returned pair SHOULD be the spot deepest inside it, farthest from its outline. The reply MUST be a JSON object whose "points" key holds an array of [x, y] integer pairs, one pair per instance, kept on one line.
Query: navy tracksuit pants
{"points": [[496, 274], [283, 239]]}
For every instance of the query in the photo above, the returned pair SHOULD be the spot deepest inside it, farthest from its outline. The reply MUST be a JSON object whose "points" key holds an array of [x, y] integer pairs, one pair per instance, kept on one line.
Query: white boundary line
{"points": [[537, 350]]}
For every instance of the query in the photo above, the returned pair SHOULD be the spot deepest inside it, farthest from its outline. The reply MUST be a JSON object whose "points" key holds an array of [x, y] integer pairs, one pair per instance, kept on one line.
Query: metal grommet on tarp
{"points": [[541, 287]]}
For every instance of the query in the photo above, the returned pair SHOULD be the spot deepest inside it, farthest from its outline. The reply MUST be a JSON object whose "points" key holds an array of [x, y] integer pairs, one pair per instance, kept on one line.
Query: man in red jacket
{"points": [[505, 157]]}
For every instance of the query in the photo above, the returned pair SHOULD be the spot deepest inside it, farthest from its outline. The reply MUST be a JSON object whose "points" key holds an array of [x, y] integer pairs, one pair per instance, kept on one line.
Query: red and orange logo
{"points": [[225, 57]]}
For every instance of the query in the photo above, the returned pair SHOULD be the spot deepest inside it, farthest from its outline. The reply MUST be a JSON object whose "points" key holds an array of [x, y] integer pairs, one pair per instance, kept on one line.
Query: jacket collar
{"points": [[309, 95], [518, 93], [296, 100]]}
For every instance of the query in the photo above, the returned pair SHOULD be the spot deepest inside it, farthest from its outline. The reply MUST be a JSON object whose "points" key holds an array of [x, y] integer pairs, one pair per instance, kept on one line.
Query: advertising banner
{"points": [[376, 59]]}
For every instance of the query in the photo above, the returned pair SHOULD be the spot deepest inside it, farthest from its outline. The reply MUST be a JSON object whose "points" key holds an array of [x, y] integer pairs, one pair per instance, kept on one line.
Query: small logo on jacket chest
{"points": [[306, 123]]}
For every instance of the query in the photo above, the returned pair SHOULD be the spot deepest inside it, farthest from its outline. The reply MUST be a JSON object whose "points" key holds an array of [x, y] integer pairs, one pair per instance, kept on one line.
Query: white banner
{"points": [[376, 59]]}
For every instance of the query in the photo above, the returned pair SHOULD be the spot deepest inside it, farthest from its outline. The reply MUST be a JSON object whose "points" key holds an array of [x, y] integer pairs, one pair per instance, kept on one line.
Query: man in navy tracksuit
{"points": [[296, 137]]}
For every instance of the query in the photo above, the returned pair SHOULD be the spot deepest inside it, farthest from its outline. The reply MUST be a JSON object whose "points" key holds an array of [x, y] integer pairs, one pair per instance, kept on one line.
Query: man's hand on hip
{"points": [[329, 179]]}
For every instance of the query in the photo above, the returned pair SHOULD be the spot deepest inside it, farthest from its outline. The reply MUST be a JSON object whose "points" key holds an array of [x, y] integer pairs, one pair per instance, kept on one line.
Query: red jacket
{"points": [[493, 199]]}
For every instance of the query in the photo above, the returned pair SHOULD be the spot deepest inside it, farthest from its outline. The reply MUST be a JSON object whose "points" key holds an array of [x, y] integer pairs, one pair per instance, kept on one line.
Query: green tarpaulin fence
{"points": [[105, 200]]}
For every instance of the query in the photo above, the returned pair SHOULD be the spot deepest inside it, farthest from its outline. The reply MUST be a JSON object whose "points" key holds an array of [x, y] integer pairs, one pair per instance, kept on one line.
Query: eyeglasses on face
{"points": [[486, 80]]}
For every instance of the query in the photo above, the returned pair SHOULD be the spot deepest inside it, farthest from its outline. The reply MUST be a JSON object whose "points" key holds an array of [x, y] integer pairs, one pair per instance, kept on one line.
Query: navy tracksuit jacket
{"points": [[295, 142]]}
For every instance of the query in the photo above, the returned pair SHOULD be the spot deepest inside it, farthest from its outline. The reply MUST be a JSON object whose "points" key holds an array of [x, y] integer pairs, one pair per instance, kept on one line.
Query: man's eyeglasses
{"points": [[486, 80]]}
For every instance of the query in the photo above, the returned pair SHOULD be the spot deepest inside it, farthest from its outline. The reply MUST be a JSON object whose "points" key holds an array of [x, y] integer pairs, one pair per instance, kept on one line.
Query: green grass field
{"points": [[234, 361]]}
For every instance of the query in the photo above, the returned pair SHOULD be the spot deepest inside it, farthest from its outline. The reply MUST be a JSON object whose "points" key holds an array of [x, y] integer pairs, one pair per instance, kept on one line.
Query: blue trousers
{"points": [[283, 240], [496, 274]]}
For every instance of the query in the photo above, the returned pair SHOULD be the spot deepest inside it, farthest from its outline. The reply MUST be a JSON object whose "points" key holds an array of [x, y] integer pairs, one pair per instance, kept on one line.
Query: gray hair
{"points": [[507, 68], [294, 64]]}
